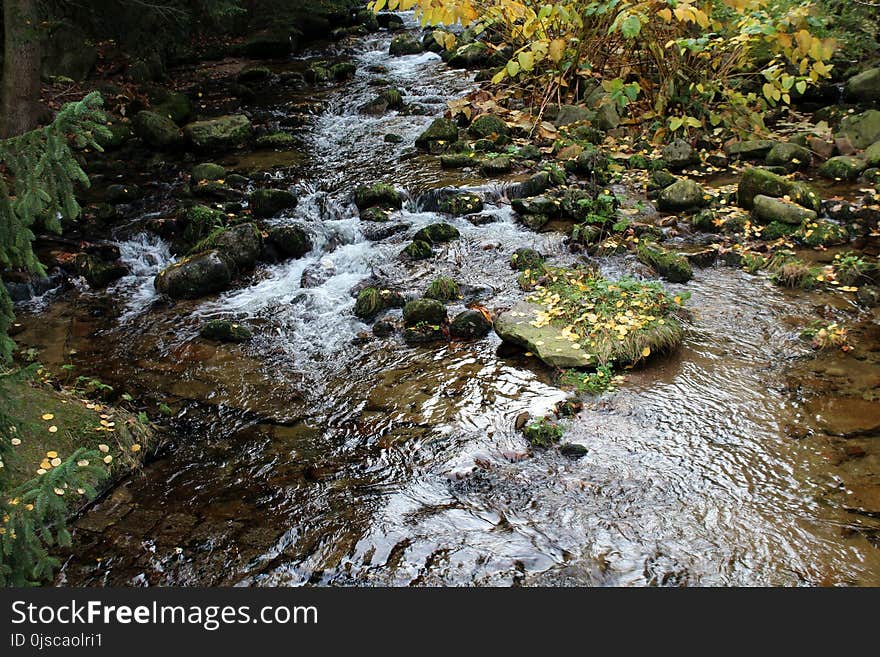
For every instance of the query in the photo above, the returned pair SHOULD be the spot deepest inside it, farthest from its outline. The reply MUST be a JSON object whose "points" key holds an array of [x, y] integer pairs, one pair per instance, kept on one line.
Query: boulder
{"points": [[494, 166], [220, 133], [156, 129], [439, 132], [683, 194], [194, 277], [523, 259], [789, 155], [863, 129], [757, 181], [269, 202], [769, 209], [418, 250], [569, 114], [460, 204], [239, 246], [424, 311], [674, 267], [536, 205], [469, 325], [404, 44], [268, 45], [843, 167], [97, 272], [207, 171], [547, 342], [437, 233], [679, 154], [753, 149], [173, 104], [372, 300], [488, 126], [864, 87], [291, 241], [872, 155], [377, 195], [470, 55]]}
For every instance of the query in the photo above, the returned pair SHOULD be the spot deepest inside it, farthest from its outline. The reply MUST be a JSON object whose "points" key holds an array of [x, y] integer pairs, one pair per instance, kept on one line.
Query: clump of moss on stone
{"points": [[671, 266], [544, 433], [443, 289]]}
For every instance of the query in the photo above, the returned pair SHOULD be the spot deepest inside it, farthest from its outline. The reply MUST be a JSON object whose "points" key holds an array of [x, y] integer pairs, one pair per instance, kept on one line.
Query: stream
{"points": [[318, 455]]}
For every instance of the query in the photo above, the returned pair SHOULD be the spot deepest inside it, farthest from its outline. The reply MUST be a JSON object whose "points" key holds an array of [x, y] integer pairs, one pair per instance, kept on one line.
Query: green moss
{"points": [[371, 301], [777, 230], [418, 250], [223, 330], [671, 266], [276, 140], [593, 383], [380, 195], [523, 259], [544, 433], [443, 289], [437, 233], [461, 204]]}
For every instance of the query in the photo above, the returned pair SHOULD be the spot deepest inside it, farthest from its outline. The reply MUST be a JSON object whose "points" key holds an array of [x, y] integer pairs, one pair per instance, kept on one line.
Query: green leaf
{"points": [[631, 27], [512, 68]]}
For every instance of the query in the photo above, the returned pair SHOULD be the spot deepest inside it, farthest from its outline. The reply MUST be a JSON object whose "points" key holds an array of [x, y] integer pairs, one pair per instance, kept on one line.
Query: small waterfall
{"points": [[145, 255]]}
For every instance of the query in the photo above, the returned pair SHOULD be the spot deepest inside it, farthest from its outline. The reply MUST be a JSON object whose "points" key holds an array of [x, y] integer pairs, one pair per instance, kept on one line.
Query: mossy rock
{"points": [[119, 134], [660, 180], [156, 130], [253, 74], [220, 133], [458, 160], [769, 210], [291, 241], [821, 232], [222, 330], [437, 233], [372, 300], [269, 202], [679, 154], [778, 230], [375, 214], [488, 126], [552, 323], [756, 181], [194, 277], [470, 55], [343, 71], [418, 250], [754, 149], [495, 166], [789, 155], [200, 221], [460, 204], [276, 140], [682, 195], [404, 44], [862, 129], [207, 171], [270, 44], [440, 132], [843, 167], [671, 266], [443, 289], [97, 272], [469, 325], [122, 193], [239, 246], [176, 106], [523, 259], [546, 205], [872, 155], [423, 333], [379, 195], [424, 311], [864, 87]]}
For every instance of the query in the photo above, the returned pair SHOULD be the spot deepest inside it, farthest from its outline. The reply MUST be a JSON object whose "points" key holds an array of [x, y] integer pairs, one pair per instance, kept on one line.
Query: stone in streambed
{"points": [[440, 132], [864, 87], [404, 44], [769, 209], [788, 155], [418, 250], [156, 130], [460, 204], [843, 167], [757, 181], [424, 311], [225, 331], [437, 233], [682, 195], [470, 325], [269, 202], [488, 126], [194, 277], [547, 342], [755, 149], [220, 133], [291, 241], [239, 246], [207, 171], [679, 154], [863, 129], [671, 266], [379, 195], [371, 301]]}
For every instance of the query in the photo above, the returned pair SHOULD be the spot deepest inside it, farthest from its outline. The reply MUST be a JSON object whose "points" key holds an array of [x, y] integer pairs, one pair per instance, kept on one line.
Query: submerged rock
{"points": [[223, 330], [547, 343]]}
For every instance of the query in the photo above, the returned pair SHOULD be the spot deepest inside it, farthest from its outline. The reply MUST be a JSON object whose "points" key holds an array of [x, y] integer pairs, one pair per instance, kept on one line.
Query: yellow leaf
{"points": [[646, 352], [48, 416], [557, 50], [665, 14]]}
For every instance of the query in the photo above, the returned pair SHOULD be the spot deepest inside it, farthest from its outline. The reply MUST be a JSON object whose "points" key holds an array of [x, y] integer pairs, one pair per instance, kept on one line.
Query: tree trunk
{"points": [[21, 67]]}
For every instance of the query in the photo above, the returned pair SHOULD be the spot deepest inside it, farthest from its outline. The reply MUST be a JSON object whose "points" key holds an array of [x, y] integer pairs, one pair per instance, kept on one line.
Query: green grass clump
{"points": [[443, 289], [592, 383]]}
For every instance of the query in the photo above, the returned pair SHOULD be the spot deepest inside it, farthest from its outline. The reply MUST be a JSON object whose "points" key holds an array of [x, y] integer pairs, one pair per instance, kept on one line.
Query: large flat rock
{"points": [[547, 343]]}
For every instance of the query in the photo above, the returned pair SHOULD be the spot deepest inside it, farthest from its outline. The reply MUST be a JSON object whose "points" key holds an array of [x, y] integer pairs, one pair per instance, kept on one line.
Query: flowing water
{"points": [[314, 455]]}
